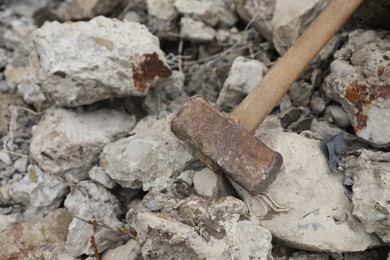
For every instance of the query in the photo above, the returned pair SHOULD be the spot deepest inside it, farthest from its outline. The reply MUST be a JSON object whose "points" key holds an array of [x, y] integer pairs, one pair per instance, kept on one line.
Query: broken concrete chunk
{"points": [[99, 175], [129, 251], [39, 192], [247, 10], [310, 206], [360, 81], [91, 201], [80, 9], [300, 93], [243, 77], [153, 151], [214, 230], [210, 185], [291, 18], [213, 12], [196, 31], [75, 59], [69, 142], [44, 239], [336, 115], [371, 176]]}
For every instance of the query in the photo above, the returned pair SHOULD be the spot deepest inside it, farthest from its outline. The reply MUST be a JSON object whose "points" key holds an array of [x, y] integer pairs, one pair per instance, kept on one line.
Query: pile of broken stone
{"points": [[89, 168]]}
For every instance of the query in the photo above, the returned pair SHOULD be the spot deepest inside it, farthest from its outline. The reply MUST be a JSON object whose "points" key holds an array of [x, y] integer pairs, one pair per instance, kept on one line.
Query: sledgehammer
{"points": [[227, 142]]}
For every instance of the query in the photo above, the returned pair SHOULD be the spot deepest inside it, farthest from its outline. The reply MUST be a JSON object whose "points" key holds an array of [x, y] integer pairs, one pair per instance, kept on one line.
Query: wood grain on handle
{"points": [[263, 98]]}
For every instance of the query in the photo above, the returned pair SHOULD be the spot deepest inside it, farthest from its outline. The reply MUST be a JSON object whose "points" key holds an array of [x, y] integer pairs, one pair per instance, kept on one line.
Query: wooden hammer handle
{"points": [[264, 97]]}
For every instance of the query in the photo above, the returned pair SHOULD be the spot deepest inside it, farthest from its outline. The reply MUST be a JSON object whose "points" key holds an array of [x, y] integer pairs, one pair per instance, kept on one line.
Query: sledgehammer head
{"points": [[240, 155]]}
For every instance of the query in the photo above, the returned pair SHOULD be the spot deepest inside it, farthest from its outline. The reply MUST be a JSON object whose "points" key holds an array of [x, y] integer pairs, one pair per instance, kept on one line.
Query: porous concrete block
{"points": [[69, 142], [84, 62]]}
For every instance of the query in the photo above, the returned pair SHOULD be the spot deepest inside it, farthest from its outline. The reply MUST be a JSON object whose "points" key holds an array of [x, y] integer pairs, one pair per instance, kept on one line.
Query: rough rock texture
{"points": [[100, 176], [243, 77], [129, 251], [44, 239], [261, 11], [203, 230], [68, 142], [212, 12], [320, 214], [91, 201], [291, 18], [80, 9], [153, 151], [71, 72], [196, 31], [360, 81], [210, 185], [371, 177], [39, 192], [167, 95], [162, 15]]}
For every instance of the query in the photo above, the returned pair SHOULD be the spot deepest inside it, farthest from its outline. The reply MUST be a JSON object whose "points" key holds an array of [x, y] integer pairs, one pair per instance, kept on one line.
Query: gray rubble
{"points": [[360, 81], [313, 207], [89, 201], [208, 184], [43, 239], [290, 19], [39, 192], [151, 152], [203, 230], [80, 10], [196, 31], [243, 77], [98, 175], [370, 172], [129, 251], [66, 142], [75, 59]]}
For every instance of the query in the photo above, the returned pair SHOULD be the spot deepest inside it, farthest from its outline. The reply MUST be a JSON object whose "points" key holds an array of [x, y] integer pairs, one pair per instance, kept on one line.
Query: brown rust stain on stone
{"points": [[362, 95], [149, 67]]}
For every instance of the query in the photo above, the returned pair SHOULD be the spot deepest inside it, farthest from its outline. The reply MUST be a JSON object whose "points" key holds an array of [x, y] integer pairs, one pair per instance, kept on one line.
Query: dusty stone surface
{"points": [[127, 51], [212, 12], [360, 81], [91, 201], [210, 185], [43, 239], [100, 176], [39, 192], [161, 16], [196, 31], [371, 176], [152, 151], [80, 9], [320, 213], [129, 251], [336, 115], [290, 18], [206, 230], [243, 77], [247, 10], [68, 142]]}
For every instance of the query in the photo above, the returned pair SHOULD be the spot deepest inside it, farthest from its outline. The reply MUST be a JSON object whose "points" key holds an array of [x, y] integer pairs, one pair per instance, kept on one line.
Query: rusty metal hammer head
{"points": [[240, 155]]}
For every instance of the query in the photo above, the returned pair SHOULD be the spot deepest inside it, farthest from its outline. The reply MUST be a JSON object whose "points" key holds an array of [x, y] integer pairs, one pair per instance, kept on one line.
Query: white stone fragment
{"points": [[196, 31], [290, 18], [222, 234], [129, 251], [209, 184], [5, 158], [68, 142], [153, 151], [75, 60], [243, 77], [20, 164], [80, 9], [91, 201], [212, 12], [371, 175], [39, 192], [99, 175], [320, 214], [360, 81]]}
